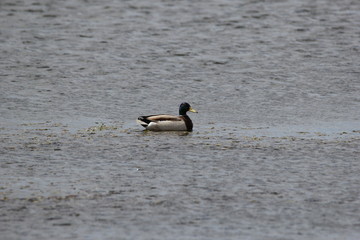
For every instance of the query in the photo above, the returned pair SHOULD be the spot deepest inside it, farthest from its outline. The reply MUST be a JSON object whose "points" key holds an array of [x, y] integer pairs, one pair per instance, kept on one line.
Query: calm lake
{"points": [[275, 149]]}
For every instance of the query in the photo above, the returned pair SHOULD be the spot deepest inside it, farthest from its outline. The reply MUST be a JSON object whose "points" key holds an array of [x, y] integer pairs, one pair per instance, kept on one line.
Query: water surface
{"points": [[275, 149]]}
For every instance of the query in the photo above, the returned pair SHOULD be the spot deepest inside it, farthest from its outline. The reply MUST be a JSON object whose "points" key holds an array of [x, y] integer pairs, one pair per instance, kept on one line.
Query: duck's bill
{"points": [[193, 110]]}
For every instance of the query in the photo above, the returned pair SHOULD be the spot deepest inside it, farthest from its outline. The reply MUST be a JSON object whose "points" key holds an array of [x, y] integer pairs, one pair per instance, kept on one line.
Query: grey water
{"points": [[275, 149]]}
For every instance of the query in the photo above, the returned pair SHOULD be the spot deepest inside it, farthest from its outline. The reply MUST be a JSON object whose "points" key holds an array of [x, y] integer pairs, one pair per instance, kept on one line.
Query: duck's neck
{"points": [[182, 112], [188, 122]]}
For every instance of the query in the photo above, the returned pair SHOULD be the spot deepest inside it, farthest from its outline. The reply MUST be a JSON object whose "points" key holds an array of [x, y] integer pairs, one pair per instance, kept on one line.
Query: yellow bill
{"points": [[192, 110]]}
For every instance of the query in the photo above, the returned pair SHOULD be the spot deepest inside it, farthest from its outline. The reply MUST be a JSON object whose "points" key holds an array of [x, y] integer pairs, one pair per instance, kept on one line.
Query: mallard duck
{"points": [[164, 122]]}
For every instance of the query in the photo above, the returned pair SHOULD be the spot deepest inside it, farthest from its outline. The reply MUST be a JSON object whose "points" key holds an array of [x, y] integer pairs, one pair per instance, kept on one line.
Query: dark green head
{"points": [[184, 107]]}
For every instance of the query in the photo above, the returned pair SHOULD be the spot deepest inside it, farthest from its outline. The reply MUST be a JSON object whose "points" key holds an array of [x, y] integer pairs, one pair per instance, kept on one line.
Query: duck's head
{"points": [[184, 107]]}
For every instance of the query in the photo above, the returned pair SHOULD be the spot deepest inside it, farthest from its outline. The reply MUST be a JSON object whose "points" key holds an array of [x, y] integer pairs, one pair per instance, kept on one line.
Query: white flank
{"points": [[167, 126]]}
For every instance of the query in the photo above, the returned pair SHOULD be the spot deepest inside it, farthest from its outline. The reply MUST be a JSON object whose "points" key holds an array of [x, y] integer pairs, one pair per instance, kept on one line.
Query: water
{"points": [[274, 151]]}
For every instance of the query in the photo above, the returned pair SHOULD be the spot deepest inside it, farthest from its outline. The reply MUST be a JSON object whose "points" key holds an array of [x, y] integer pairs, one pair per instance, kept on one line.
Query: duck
{"points": [[165, 122]]}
